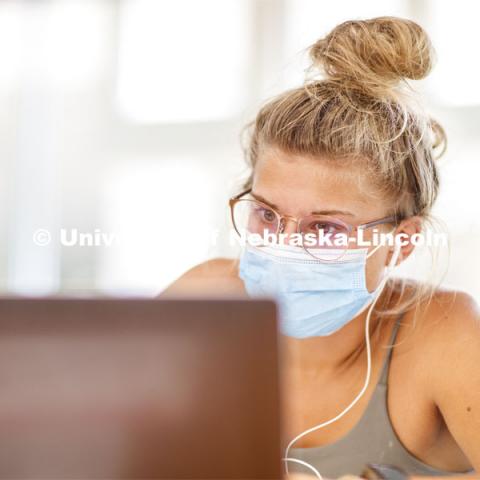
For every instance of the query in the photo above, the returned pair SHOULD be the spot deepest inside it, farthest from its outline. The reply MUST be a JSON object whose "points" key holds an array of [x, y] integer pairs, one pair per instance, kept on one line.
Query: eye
{"points": [[266, 215], [325, 228]]}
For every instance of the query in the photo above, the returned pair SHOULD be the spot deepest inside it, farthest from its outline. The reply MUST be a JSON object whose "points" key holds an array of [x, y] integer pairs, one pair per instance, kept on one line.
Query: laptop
{"points": [[131, 388]]}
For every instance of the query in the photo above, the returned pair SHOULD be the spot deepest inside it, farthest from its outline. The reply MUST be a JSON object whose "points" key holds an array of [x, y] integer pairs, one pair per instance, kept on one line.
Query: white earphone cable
{"points": [[305, 464], [287, 459]]}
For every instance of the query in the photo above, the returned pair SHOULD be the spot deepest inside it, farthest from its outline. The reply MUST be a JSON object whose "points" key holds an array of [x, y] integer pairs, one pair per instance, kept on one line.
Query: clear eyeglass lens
{"points": [[324, 238], [251, 217]]}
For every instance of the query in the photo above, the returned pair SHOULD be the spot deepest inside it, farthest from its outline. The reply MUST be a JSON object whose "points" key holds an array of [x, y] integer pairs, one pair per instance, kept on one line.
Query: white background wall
{"points": [[123, 117]]}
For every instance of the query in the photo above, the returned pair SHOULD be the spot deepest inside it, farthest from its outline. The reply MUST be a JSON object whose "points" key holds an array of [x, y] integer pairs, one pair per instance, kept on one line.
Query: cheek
{"points": [[375, 268]]}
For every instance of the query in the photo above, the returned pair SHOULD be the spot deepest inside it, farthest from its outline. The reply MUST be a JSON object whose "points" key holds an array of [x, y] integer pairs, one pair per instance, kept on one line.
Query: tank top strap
{"points": [[386, 364]]}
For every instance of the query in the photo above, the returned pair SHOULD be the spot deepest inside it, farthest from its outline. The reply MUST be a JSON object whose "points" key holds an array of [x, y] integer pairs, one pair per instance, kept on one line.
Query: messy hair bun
{"points": [[360, 111], [364, 112], [374, 55]]}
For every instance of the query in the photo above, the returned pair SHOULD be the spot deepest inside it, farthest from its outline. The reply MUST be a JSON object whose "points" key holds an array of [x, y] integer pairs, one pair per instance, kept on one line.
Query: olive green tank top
{"points": [[372, 440]]}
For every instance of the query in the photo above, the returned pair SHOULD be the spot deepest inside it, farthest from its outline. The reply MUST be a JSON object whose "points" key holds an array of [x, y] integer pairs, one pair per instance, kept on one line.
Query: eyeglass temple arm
{"points": [[391, 219]]}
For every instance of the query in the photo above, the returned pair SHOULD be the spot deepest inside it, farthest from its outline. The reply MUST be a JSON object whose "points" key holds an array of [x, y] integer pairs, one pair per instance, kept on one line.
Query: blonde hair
{"points": [[365, 112]]}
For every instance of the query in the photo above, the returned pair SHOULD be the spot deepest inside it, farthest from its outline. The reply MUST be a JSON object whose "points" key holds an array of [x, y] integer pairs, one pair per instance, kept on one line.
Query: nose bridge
{"points": [[290, 224]]}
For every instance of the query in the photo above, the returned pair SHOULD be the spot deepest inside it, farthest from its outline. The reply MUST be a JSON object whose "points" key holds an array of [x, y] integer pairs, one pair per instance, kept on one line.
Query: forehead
{"points": [[300, 184]]}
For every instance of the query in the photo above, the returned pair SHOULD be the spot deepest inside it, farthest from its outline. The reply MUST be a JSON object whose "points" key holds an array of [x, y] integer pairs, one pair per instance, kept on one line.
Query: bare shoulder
{"points": [[441, 342], [450, 331], [215, 276], [448, 315], [438, 316], [445, 325], [453, 322]]}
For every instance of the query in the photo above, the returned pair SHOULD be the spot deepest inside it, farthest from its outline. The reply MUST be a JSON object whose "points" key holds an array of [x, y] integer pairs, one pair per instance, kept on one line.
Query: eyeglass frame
{"points": [[238, 198]]}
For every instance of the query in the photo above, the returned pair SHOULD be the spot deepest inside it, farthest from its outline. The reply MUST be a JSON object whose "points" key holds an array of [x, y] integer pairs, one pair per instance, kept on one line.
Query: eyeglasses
{"points": [[251, 216]]}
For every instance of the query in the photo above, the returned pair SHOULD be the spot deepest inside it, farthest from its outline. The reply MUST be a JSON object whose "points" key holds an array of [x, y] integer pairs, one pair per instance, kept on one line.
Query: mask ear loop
{"points": [[390, 267]]}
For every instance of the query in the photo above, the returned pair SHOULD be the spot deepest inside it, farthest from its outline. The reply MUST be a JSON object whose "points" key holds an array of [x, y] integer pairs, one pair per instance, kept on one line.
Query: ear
{"points": [[406, 228]]}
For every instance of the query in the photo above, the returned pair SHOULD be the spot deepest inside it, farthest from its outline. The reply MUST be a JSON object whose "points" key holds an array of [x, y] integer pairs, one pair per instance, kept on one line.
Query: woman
{"points": [[344, 154]]}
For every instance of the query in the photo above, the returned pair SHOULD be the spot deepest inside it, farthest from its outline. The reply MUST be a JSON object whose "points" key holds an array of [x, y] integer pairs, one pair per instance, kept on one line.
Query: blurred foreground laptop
{"points": [[138, 389]]}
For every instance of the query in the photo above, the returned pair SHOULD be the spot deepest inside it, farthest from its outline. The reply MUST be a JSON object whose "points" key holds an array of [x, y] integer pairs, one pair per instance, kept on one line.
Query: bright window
{"points": [[183, 61]]}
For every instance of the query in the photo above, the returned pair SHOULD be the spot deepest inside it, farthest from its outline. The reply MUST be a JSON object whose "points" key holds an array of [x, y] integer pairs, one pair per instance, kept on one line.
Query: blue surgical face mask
{"points": [[314, 298]]}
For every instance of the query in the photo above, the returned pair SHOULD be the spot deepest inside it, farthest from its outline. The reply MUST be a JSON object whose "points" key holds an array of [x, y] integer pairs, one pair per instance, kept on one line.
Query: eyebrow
{"points": [[319, 212]]}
